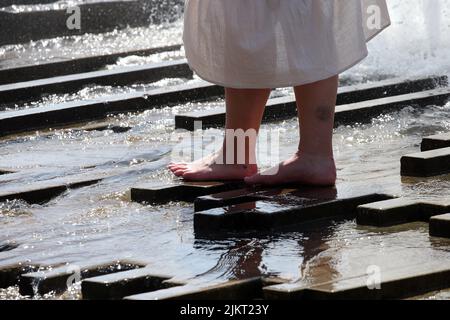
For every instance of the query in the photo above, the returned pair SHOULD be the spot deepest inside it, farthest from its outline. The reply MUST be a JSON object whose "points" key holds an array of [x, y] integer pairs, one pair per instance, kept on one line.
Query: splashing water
{"points": [[415, 45]]}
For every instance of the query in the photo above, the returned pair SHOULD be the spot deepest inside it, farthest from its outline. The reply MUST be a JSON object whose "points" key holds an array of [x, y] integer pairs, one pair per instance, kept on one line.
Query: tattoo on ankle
{"points": [[324, 113]]}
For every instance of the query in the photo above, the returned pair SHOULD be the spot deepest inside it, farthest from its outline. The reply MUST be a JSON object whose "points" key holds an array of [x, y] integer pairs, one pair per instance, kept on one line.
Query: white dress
{"points": [[278, 43]]}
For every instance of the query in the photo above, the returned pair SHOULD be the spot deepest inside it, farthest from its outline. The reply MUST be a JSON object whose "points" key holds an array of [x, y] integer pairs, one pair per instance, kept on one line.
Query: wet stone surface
{"points": [[48, 116], [179, 192], [398, 211], [97, 16], [426, 164], [121, 284], [355, 110], [440, 225], [70, 65], [231, 290], [9, 274], [400, 282], [437, 141], [232, 197], [28, 90], [42, 282], [292, 208], [43, 191]]}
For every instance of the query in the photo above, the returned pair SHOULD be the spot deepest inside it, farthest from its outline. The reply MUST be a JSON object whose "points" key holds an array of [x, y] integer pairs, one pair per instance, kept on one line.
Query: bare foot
{"points": [[299, 169], [207, 169]]}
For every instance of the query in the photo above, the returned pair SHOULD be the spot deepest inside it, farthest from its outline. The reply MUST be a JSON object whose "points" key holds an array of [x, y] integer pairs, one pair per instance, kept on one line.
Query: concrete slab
{"points": [[187, 191], [103, 126], [121, 284], [6, 171], [43, 191], [231, 290], [42, 282], [388, 88], [232, 197], [123, 76], [426, 164], [435, 142], [395, 283], [9, 274], [397, 211], [97, 17], [440, 226], [356, 111], [7, 3], [50, 116], [389, 212]]}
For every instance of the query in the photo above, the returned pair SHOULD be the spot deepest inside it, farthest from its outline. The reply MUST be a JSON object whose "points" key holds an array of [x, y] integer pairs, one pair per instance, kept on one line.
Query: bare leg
{"points": [[244, 110], [313, 163]]}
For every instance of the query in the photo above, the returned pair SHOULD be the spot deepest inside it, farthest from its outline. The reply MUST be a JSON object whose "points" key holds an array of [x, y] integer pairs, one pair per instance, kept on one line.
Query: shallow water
{"points": [[99, 221]]}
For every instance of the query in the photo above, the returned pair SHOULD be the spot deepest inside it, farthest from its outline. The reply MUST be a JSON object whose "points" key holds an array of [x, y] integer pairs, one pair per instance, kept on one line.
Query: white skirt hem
{"points": [[318, 77]]}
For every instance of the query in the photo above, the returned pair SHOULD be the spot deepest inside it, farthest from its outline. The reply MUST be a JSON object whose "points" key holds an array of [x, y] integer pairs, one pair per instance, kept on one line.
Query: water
{"points": [[65, 48], [100, 222]]}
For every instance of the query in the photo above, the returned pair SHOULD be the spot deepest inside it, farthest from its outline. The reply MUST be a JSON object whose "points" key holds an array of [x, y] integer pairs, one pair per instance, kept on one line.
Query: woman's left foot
{"points": [[299, 169]]}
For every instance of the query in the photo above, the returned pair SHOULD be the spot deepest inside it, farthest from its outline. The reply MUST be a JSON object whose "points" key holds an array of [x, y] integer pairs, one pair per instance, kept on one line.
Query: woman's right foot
{"points": [[211, 169]]}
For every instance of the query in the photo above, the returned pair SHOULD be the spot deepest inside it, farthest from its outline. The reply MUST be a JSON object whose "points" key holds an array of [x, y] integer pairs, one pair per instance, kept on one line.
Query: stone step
{"points": [[187, 191], [51, 116], [440, 225], [228, 198], [396, 283], [95, 17], [76, 127], [398, 211], [68, 65], [58, 279], [120, 284], [25, 91], [426, 164], [231, 290], [285, 107], [284, 210], [437, 141], [9, 274], [42, 191]]}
